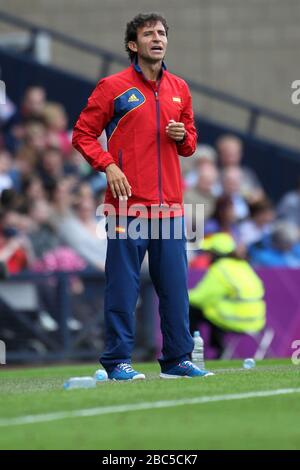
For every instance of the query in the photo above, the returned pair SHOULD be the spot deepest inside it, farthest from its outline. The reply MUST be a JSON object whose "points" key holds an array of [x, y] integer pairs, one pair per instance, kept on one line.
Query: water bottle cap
{"points": [[196, 334], [249, 363], [100, 375]]}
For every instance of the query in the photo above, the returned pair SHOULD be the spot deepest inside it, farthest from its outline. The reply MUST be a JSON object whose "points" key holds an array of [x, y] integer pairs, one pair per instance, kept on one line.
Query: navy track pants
{"points": [[168, 271]]}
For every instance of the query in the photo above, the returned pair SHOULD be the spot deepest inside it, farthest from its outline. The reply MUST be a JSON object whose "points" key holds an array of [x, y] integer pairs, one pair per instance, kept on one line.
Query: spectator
{"points": [[34, 142], [33, 103], [71, 230], [51, 256], [289, 206], [95, 180], [10, 200], [13, 249], [56, 122], [223, 218], [32, 107], [202, 193], [230, 151], [33, 189], [230, 296], [279, 249], [42, 234], [85, 211], [51, 166], [191, 167], [259, 224], [232, 182]]}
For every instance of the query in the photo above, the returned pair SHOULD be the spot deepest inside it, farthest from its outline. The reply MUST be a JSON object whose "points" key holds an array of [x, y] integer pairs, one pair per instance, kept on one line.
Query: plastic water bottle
{"points": [[198, 352], [100, 375], [80, 382], [249, 363]]}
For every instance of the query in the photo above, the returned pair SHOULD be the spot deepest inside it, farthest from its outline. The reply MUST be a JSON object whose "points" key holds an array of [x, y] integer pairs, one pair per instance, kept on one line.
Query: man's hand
{"points": [[118, 182], [176, 130]]}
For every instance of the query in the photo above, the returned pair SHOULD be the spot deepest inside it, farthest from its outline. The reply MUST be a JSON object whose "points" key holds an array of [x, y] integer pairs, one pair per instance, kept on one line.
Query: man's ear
{"points": [[132, 46]]}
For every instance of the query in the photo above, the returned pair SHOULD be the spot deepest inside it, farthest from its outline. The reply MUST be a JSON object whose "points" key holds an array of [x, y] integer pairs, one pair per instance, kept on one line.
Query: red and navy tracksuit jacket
{"points": [[134, 114]]}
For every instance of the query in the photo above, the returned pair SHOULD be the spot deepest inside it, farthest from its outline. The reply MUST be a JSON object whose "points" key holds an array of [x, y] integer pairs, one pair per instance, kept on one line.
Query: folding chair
{"points": [[263, 340], [21, 298]]}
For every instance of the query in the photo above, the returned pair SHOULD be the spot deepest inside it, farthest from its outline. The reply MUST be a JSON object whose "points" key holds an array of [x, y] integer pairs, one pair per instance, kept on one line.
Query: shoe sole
{"points": [[169, 376], [136, 377]]}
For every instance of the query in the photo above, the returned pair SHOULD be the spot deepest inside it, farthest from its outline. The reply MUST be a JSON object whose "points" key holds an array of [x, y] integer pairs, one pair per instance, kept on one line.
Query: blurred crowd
{"points": [[235, 202], [49, 196]]}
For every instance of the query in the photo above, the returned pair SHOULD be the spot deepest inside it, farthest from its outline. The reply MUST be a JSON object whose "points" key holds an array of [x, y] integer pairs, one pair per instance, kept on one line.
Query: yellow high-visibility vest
{"points": [[231, 296]]}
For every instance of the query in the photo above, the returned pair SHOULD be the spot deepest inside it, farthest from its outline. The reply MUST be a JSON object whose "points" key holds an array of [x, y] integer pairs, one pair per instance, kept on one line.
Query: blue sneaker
{"points": [[124, 371], [185, 369]]}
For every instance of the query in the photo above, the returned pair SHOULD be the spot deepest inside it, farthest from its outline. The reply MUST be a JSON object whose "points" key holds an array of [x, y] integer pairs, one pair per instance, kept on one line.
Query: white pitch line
{"points": [[43, 418]]}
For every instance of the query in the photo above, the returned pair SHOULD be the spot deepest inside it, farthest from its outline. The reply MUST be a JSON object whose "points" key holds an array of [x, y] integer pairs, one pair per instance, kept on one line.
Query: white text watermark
{"points": [[153, 222], [2, 92], [296, 354], [295, 96], [2, 352]]}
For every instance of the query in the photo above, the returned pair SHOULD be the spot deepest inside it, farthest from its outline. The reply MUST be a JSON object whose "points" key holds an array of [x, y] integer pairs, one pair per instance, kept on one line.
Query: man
{"points": [[230, 152], [32, 108], [147, 114]]}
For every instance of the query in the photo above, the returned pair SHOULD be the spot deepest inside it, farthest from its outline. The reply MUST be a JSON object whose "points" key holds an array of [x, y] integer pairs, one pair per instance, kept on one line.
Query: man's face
{"points": [[230, 152], [151, 43], [34, 101]]}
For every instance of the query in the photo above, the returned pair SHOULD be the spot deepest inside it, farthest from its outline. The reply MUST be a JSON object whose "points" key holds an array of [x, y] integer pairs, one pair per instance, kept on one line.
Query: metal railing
{"points": [[107, 58], [64, 343]]}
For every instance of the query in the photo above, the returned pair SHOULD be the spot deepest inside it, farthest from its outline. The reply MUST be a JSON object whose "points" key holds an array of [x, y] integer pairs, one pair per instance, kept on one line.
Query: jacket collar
{"points": [[138, 69]]}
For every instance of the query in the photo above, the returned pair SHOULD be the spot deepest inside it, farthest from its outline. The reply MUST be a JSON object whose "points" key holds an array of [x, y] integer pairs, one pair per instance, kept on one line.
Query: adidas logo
{"points": [[132, 98]]}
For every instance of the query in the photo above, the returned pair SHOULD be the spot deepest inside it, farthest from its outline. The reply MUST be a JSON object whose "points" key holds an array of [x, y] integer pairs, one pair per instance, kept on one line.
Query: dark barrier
{"points": [[58, 317]]}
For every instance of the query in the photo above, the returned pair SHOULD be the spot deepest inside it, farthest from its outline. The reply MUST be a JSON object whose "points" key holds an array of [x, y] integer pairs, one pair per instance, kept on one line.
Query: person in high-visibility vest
{"points": [[229, 296]]}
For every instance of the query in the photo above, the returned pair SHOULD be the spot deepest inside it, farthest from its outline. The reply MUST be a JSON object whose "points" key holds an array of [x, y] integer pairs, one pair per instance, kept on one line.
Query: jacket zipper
{"points": [[158, 145], [120, 159], [156, 95]]}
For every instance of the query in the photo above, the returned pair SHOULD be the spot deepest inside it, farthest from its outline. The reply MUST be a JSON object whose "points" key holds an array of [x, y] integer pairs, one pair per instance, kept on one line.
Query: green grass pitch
{"points": [[223, 420]]}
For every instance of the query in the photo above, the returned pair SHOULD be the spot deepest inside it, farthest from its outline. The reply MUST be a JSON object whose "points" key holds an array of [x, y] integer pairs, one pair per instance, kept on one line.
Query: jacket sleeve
{"points": [[188, 146], [89, 126]]}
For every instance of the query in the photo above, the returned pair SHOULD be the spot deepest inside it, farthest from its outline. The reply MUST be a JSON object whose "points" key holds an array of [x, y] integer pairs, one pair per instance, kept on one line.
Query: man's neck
{"points": [[151, 71]]}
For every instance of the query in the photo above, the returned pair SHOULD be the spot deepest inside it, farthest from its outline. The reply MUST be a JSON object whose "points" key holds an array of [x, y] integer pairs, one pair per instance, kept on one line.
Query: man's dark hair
{"points": [[260, 206], [137, 22]]}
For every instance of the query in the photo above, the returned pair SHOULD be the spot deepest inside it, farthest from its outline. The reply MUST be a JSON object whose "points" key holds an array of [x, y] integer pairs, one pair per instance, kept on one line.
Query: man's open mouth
{"points": [[157, 48]]}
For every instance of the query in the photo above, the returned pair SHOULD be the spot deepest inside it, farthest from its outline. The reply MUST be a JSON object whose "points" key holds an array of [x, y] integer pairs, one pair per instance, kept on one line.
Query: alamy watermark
{"points": [[2, 92], [2, 352], [153, 222], [296, 354], [295, 96]]}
